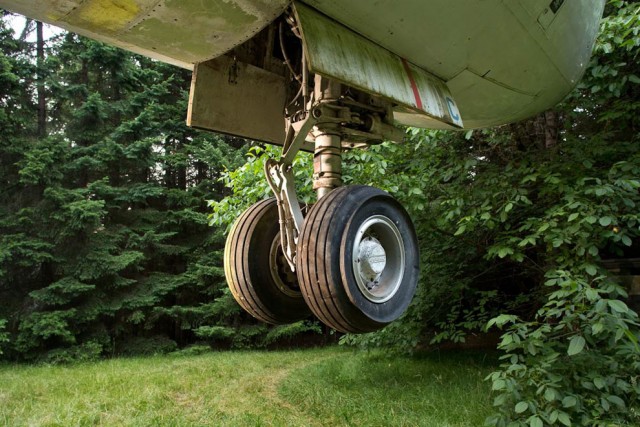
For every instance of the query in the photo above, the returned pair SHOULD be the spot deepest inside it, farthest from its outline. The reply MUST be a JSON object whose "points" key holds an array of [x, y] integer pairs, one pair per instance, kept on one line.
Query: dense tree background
{"points": [[105, 246]]}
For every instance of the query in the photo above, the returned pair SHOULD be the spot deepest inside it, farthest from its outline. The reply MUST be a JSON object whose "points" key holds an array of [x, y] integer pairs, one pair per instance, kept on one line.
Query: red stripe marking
{"points": [[414, 86]]}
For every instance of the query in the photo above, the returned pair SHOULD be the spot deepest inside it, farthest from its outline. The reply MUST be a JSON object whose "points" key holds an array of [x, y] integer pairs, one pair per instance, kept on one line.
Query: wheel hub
{"points": [[371, 259], [281, 273], [378, 259]]}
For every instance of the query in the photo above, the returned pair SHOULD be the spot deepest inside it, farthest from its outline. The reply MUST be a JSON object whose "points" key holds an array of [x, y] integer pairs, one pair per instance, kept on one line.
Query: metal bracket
{"points": [[297, 133], [281, 180]]}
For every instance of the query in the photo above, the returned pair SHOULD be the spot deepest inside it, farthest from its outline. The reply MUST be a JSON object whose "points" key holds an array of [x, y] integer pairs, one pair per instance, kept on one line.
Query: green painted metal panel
{"points": [[180, 32], [339, 53]]}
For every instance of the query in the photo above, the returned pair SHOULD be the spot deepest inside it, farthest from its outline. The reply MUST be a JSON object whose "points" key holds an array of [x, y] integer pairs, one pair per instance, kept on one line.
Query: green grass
{"points": [[326, 387]]}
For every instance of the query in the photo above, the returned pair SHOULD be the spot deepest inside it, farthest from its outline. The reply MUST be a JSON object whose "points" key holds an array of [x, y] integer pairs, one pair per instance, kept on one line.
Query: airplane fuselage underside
{"points": [[501, 60]]}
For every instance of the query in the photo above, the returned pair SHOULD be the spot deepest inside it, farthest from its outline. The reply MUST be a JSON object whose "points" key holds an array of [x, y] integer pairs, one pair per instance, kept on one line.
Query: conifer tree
{"points": [[105, 237]]}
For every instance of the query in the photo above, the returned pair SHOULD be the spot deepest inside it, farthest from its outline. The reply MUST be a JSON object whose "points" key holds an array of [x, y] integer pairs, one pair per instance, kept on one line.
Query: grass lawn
{"points": [[325, 387]]}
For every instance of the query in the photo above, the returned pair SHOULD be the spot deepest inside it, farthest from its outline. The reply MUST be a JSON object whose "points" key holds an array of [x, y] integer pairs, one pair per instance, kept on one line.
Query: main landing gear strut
{"points": [[352, 260]]}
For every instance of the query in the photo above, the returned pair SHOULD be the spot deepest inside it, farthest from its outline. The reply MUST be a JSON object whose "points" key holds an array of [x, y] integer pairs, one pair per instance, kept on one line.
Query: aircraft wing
{"points": [[179, 32]]}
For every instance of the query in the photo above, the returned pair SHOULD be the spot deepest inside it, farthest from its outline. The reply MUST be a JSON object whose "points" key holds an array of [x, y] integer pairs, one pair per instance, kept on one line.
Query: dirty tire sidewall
{"points": [[248, 269]]}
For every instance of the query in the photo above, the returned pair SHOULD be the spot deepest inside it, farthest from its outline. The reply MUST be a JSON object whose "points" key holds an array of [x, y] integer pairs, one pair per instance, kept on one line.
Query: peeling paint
{"points": [[106, 15], [220, 24], [181, 32]]}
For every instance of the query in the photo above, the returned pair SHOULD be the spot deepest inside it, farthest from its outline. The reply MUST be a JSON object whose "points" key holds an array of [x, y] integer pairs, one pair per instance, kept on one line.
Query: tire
{"points": [[339, 256], [258, 276]]}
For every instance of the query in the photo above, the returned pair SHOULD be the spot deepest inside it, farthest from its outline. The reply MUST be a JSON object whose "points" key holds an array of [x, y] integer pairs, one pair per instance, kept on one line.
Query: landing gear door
{"points": [[239, 99], [336, 52]]}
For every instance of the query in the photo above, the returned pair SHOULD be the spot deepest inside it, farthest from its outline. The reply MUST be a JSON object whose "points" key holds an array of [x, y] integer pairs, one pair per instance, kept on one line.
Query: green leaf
{"points": [[460, 230], [535, 421], [563, 417], [521, 407], [507, 339], [616, 401], [501, 320], [503, 252], [591, 269], [576, 345], [618, 306], [550, 395], [592, 294], [569, 401], [543, 227], [597, 328], [634, 79], [605, 221], [498, 385], [591, 219], [500, 399], [573, 216]]}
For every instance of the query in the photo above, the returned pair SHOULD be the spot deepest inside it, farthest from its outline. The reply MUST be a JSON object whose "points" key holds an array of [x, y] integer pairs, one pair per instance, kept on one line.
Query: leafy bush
{"points": [[4, 336], [577, 362], [192, 350], [577, 359], [286, 332], [86, 352], [147, 346]]}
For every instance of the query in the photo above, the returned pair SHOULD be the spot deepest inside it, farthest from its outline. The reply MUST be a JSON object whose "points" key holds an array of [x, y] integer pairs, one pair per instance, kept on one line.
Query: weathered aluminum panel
{"points": [[336, 52], [238, 99], [523, 49], [180, 32]]}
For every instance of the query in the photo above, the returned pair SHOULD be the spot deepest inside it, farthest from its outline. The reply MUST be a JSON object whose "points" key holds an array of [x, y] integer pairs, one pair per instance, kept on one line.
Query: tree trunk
{"points": [[182, 169], [40, 77], [551, 129]]}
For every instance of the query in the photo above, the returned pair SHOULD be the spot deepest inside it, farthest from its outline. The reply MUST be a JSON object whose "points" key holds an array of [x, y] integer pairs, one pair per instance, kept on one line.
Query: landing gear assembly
{"points": [[352, 260]]}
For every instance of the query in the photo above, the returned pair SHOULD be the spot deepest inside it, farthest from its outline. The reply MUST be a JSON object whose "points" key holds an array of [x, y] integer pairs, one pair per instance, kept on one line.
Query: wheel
{"points": [[257, 272], [357, 259]]}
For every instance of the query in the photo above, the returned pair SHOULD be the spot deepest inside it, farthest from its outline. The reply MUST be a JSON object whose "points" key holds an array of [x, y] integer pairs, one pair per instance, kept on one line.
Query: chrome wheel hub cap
{"points": [[378, 259]]}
